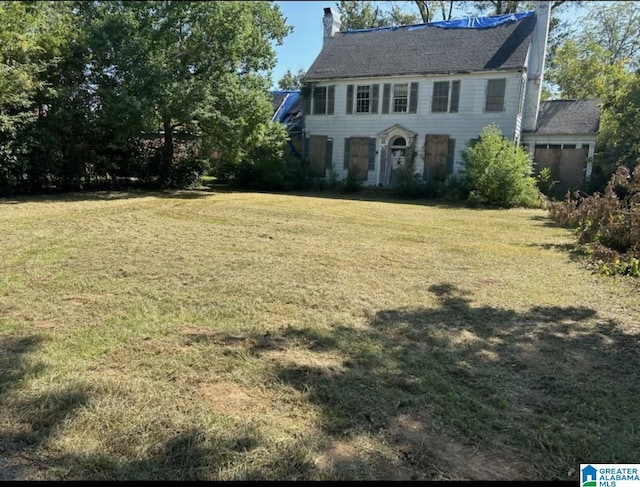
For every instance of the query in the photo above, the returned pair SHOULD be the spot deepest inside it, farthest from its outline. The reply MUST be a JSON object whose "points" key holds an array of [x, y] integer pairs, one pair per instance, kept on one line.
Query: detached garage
{"points": [[565, 141]]}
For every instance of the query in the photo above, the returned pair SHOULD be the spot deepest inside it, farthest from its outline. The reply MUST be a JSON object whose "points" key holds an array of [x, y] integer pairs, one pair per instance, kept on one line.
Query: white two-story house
{"points": [[375, 97]]}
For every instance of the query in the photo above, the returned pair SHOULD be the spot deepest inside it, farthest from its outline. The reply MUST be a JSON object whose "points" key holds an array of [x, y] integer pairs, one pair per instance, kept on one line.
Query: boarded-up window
{"points": [[359, 156], [413, 98], [349, 99], [436, 155], [317, 155], [495, 95], [331, 97], [386, 96]]}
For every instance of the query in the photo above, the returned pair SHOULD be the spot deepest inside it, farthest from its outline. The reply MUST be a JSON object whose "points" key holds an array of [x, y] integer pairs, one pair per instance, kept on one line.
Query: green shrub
{"points": [[351, 183], [499, 172], [408, 184]]}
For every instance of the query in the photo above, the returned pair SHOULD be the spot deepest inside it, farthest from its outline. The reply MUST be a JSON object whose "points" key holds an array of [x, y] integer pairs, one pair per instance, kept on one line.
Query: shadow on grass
{"points": [[107, 196], [476, 392], [30, 423]]}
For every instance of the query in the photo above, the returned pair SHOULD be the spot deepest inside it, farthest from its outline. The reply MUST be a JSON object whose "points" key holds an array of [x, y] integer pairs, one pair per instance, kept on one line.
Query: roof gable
{"points": [[423, 49]]}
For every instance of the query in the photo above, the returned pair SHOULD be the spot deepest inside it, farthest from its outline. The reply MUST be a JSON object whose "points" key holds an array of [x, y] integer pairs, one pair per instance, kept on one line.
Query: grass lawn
{"points": [[247, 336]]}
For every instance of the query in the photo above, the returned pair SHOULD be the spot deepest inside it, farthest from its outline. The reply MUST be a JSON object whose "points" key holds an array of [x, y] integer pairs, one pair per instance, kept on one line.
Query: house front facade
{"points": [[378, 99]]}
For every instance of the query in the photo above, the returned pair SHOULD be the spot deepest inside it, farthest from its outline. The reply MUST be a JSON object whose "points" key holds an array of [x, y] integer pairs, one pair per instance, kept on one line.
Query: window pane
{"points": [[495, 95], [440, 100], [320, 100], [400, 98], [363, 99]]}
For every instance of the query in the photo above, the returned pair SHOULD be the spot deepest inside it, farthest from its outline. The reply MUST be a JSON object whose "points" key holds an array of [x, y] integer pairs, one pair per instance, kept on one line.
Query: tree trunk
{"points": [[167, 152]]}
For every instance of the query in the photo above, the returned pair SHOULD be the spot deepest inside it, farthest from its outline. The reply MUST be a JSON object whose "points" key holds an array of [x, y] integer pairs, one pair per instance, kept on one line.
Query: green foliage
{"points": [[406, 182], [608, 223], [351, 183], [545, 181], [87, 87], [498, 172], [291, 81], [598, 62], [366, 14]]}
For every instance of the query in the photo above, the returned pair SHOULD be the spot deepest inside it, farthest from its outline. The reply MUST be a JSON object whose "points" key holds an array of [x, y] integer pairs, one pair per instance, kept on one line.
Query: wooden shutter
{"points": [[375, 94], [349, 99], [413, 98], [451, 152], [331, 96], [306, 104], [386, 97], [345, 165], [371, 163], [317, 155], [455, 96], [328, 163]]}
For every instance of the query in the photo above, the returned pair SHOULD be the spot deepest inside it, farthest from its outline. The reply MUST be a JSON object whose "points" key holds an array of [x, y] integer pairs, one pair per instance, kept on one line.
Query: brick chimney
{"points": [[331, 22], [535, 69]]}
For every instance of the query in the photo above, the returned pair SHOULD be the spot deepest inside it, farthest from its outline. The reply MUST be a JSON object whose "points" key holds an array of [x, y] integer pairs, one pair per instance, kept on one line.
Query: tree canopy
{"points": [[121, 73]]}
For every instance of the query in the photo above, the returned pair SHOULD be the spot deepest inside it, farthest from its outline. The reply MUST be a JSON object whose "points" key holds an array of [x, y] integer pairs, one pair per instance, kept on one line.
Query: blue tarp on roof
{"points": [[290, 100], [283, 113], [468, 23], [481, 22]]}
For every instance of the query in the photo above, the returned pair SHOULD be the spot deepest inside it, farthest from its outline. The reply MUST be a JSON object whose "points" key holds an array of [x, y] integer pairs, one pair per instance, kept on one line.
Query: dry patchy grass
{"points": [[226, 336]]}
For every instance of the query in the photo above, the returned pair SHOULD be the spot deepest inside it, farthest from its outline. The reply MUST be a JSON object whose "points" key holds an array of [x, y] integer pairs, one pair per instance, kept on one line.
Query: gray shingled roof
{"points": [[425, 50], [568, 117]]}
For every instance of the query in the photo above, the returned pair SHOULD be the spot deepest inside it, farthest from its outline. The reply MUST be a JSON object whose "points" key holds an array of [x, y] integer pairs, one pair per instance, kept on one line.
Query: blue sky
{"points": [[301, 47]]}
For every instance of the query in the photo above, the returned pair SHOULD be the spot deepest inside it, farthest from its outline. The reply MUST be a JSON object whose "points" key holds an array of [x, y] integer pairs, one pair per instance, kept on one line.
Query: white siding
{"points": [[462, 126]]}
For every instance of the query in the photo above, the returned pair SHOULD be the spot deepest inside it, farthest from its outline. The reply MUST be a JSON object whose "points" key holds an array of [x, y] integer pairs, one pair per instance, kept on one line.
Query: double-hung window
{"points": [[400, 98], [446, 96], [495, 95], [363, 98], [323, 100]]}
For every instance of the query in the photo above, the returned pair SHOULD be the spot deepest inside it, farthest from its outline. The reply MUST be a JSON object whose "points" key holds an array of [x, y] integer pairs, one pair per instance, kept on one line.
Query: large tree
{"points": [[291, 81], [32, 35], [190, 67], [601, 61]]}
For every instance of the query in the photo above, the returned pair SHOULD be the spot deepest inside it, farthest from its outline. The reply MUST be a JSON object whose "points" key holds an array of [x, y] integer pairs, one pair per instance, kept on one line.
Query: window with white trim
{"points": [[445, 97], [400, 98], [495, 95], [363, 98], [320, 100]]}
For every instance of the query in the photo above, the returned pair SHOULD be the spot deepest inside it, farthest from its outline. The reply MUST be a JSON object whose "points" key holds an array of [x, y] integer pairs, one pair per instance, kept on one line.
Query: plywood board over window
{"points": [[359, 156], [436, 155], [317, 155]]}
